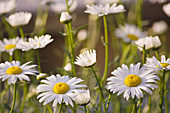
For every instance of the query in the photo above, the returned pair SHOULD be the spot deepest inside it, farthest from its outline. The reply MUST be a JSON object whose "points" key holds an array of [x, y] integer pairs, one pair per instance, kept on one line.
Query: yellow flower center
{"points": [[132, 37], [132, 80], [14, 70], [61, 88], [164, 65], [10, 46]]}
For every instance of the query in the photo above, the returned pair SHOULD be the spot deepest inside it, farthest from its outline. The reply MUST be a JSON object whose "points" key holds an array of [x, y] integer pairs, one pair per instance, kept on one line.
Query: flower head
{"points": [[82, 98], [65, 17], [155, 65], [7, 6], [9, 45], [129, 33], [159, 27], [60, 89], [86, 59], [166, 9], [157, 1], [104, 10], [42, 76], [132, 81], [13, 71], [68, 67], [149, 42], [19, 19], [36, 42]]}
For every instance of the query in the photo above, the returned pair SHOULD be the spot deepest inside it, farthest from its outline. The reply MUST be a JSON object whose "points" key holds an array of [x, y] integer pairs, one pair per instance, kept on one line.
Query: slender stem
{"points": [[107, 106], [21, 32], [85, 109], [106, 49], [134, 110], [38, 60], [144, 55], [60, 107], [166, 99], [149, 104], [10, 58], [139, 12], [157, 55], [14, 98], [24, 98], [49, 109], [101, 93], [162, 93], [88, 109], [45, 109], [67, 6]]}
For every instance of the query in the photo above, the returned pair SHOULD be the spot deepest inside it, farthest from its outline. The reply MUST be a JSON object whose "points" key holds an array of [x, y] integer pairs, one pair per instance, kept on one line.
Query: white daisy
{"points": [[82, 98], [129, 33], [19, 19], [132, 81], [149, 42], [7, 6], [166, 9], [65, 17], [104, 10], [60, 89], [159, 27], [155, 65], [13, 70], [86, 59], [36, 42], [157, 1], [9, 45]]}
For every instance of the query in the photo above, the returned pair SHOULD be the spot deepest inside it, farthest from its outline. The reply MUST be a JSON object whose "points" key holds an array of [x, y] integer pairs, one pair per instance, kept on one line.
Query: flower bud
{"points": [[42, 76], [65, 17]]}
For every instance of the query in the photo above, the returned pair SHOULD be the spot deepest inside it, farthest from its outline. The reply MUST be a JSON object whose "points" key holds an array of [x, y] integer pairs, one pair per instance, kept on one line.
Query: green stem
{"points": [[162, 93], [24, 98], [149, 104], [134, 110], [139, 12], [100, 88], [45, 109], [107, 106], [10, 58], [106, 49], [67, 6], [14, 98], [85, 109], [144, 55], [49, 109], [38, 60], [21, 33], [60, 107], [166, 100], [157, 55]]}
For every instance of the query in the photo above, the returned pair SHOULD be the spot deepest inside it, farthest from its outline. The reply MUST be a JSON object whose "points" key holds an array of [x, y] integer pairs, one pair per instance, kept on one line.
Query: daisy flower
{"points": [[60, 89], [159, 27], [86, 59], [155, 65], [129, 33], [19, 19], [13, 71], [104, 10], [36, 42], [132, 81], [82, 98], [7, 6], [166, 9], [9, 45], [149, 42], [157, 1]]}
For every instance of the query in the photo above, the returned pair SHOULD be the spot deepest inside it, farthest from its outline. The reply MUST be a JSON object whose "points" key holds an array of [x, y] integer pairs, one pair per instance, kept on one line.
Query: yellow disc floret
{"points": [[132, 80], [14, 70], [61, 88], [164, 65], [10, 46], [132, 37]]}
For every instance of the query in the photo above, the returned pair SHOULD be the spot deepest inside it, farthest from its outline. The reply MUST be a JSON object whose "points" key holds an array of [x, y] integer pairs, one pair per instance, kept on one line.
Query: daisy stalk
{"points": [[60, 107], [134, 110], [38, 61], [21, 32], [14, 98], [106, 49], [100, 88]]}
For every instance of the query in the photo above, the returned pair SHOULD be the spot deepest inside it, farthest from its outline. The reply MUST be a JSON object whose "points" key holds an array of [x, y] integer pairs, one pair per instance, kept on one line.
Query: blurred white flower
{"points": [[41, 76], [166, 9], [86, 59], [13, 71], [156, 65], [101, 10], [82, 98], [89, 2], [108, 1], [59, 89], [68, 67], [157, 1], [7, 6], [149, 42], [59, 6], [36, 42], [19, 19], [9, 45], [65, 17], [82, 35], [159, 27], [132, 81], [129, 33]]}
